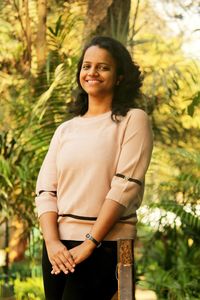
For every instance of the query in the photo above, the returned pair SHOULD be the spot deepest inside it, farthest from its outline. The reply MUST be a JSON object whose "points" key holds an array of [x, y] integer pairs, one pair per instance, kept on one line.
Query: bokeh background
{"points": [[40, 43]]}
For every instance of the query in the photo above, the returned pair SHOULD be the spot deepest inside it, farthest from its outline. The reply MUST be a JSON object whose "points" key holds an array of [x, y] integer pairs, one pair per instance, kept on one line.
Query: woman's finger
{"points": [[69, 258], [66, 260], [55, 269], [60, 265]]}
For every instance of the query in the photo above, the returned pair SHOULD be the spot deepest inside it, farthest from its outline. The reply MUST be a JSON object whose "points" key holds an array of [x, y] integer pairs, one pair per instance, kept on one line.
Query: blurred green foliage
{"points": [[29, 289], [33, 104]]}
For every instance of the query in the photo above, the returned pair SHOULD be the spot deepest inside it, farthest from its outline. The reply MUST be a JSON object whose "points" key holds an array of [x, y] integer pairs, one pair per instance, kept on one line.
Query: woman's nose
{"points": [[93, 71]]}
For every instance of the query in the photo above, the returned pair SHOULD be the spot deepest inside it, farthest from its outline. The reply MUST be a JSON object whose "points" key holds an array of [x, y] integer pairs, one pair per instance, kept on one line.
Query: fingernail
{"points": [[72, 270]]}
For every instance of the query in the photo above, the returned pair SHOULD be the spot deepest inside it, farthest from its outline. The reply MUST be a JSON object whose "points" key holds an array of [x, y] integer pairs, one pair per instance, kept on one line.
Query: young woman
{"points": [[92, 179]]}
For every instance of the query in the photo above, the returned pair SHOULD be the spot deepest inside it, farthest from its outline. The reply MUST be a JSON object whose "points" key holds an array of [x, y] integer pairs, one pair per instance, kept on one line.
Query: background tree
{"points": [[34, 103], [41, 47], [110, 17]]}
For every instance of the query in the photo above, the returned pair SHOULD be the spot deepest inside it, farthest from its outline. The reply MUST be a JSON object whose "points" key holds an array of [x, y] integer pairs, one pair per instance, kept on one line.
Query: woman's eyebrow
{"points": [[99, 63]]}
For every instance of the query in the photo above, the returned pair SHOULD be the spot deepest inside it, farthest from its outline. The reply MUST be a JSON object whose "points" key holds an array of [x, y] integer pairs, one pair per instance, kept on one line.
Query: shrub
{"points": [[30, 289]]}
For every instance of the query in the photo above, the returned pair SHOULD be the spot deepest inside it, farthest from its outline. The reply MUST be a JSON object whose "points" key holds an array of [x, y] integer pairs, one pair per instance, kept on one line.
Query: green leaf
{"points": [[195, 102]]}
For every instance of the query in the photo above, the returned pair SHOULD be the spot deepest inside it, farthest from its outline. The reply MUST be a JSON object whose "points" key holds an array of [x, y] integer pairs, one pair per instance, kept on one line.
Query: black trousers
{"points": [[93, 279]]}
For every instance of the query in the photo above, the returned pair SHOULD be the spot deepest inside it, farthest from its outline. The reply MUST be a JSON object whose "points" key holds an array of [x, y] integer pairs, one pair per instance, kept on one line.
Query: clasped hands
{"points": [[64, 260]]}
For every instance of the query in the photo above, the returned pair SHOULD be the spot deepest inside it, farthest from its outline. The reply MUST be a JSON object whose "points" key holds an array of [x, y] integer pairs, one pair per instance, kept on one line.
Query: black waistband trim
{"points": [[94, 218]]}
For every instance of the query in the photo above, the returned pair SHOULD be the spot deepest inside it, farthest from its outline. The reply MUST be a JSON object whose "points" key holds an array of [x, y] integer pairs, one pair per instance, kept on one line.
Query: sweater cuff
{"points": [[116, 194], [124, 192], [46, 203]]}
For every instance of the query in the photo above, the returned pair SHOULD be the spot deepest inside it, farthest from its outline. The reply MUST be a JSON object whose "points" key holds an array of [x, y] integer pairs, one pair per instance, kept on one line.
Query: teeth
{"points": [[93, 81]]}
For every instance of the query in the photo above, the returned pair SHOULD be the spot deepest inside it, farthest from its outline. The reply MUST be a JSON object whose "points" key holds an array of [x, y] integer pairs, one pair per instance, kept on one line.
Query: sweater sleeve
{"points": [[134, 159], [46, 186]]}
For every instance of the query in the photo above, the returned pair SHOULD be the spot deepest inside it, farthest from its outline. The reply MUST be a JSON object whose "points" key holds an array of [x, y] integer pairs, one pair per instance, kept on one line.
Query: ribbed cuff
{"points": [[46, 203]]}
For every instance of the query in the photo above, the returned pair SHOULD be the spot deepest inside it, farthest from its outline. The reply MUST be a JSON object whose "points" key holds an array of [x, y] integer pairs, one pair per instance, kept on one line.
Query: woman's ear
{"points": [[119, 79]]}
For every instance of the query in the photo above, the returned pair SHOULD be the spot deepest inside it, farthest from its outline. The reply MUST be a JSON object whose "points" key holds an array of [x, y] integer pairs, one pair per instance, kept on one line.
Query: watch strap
{"points": [[90, 237]]}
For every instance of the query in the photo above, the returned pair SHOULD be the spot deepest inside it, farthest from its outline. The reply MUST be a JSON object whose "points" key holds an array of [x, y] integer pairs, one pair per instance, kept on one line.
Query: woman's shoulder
{"points": [[65, 125], [138, 115], [138, 121]]}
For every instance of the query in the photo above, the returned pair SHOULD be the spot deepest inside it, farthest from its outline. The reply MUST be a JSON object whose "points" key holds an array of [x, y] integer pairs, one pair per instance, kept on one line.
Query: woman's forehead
{"points": [[95, 53]]}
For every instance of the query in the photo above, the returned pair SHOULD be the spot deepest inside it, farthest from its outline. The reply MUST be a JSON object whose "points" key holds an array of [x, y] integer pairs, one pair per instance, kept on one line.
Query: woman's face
{"points": [[98, 72]]}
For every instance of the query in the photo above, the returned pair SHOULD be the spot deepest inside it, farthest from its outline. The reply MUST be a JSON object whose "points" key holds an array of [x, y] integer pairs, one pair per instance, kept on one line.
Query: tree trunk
{"points": [[28, 34], [109, 17], [41, 45], [126, 281]]}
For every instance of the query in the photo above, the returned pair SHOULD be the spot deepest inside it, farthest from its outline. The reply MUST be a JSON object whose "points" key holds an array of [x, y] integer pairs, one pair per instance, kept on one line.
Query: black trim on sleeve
{"points": [[43, 191], [129, 178]]}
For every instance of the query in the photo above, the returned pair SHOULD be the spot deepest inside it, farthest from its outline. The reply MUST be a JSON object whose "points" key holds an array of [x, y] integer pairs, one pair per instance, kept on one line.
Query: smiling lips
{"points": [[93, 81]]}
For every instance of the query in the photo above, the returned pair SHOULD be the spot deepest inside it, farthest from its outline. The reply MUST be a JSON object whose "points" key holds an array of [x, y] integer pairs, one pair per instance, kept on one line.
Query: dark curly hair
{"points": [[126, 92]]}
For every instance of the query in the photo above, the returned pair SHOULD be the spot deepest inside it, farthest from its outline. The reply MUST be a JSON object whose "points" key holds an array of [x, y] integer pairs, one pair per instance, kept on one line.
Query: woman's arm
{"points": [[46, 203], [58, 254], [109, 214]]}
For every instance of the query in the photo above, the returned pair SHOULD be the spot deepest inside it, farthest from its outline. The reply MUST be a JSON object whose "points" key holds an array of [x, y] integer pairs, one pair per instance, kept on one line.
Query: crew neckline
{"points": [[94, 118]]}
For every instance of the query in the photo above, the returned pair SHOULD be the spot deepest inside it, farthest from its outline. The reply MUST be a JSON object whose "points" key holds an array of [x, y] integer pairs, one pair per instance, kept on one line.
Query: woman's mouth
{"points": [[93, 80]]}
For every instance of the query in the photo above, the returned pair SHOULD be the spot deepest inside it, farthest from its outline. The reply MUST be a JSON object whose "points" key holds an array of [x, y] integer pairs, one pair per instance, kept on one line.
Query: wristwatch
{"points": [[90, 237]]}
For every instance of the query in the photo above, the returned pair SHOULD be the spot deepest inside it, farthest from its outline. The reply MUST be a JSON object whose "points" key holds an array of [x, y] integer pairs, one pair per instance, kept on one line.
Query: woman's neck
{"points": [[95, 112], [97, 107]]}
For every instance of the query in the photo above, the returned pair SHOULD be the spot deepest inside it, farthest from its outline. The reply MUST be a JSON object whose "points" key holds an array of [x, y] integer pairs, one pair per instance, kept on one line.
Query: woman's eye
{"points": [[103, 68], [85, 67], [98, 68]]}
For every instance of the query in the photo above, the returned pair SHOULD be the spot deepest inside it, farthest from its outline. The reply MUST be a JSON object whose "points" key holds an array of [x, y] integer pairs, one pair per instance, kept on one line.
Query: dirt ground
{"points": [[142, 295], [145, 295]]}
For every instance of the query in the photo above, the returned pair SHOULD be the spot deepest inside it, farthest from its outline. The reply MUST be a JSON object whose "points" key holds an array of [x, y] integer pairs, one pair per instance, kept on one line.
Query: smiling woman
{"points": [[98, 76], [109, 58], [92, 179]]}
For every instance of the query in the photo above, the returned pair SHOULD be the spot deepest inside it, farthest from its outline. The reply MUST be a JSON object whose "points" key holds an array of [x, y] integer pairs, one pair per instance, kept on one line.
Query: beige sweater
{"points": [[79, 172]]}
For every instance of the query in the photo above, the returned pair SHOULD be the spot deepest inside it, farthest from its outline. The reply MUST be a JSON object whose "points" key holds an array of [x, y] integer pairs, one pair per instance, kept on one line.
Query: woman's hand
{"points": [[60, 258], [78, 254], [82, 251]]}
